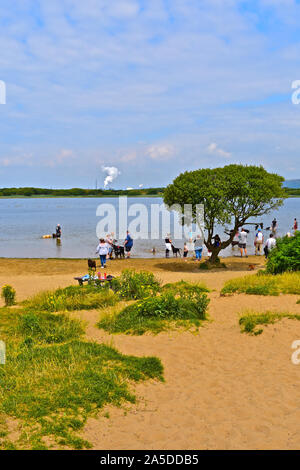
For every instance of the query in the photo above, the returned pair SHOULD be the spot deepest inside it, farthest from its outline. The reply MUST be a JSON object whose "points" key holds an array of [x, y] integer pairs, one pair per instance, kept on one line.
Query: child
{"points": [[102, 251], [185, 251]]}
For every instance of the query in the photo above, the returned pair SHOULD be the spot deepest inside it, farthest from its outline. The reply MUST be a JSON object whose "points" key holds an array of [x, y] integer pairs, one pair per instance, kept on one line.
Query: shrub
{"points": [[156, 314], [132, 285], [286, 255], [264, 284], [72, 298], [249, 321], [9, 295]]}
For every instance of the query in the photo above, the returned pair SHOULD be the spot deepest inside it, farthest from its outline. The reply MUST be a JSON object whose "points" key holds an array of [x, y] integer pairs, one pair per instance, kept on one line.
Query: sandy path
{"points": [[223, 389]]}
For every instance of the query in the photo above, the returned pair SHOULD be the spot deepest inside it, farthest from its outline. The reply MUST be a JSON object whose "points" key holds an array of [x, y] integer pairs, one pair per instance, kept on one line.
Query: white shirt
{"points": [[259, 236], [102, 249], [271, 242], [243, 237]]}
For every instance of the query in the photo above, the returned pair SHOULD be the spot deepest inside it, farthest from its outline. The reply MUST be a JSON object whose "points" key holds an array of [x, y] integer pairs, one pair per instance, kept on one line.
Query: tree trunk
{"points": [[214, 255]]}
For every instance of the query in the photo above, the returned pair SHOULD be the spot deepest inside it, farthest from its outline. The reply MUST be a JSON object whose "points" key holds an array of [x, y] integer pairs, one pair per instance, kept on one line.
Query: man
{"points": [[243, 242], [270, 244], [259, 239], [128, 244], [58, 231]]}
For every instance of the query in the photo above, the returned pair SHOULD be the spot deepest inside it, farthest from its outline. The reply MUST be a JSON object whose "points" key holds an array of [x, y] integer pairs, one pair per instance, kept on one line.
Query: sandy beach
{"points": [[222, 390]]}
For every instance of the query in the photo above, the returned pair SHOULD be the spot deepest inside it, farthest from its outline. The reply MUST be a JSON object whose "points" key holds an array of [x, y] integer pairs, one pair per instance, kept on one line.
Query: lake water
{"points": [[24, 221]]}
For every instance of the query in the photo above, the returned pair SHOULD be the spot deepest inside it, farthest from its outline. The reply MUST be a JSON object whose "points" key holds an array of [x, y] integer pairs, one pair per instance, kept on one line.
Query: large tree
{"points": [[230, 195]]}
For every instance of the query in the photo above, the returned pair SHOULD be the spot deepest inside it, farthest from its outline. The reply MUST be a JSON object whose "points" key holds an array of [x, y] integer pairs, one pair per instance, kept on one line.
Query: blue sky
{"points": [[153, 88]]}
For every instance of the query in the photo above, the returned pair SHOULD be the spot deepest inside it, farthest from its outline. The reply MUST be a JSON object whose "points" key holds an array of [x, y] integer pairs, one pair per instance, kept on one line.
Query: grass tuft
{"points": [[185, 288], [251, 320], [72, 298], [52, 381], [264, 284], [156, 314]]}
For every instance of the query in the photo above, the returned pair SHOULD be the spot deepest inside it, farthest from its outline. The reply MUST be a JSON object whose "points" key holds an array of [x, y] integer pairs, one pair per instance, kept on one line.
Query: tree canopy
{"points": [[230, 195]]}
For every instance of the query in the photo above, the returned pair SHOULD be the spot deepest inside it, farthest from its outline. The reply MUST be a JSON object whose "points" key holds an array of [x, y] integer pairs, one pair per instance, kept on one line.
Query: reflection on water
{"points": [[24, 221]]}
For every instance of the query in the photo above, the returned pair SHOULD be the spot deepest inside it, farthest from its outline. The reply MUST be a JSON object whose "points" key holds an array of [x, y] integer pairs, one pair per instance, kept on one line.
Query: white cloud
{"points": [[214, 149], [160, 152]]}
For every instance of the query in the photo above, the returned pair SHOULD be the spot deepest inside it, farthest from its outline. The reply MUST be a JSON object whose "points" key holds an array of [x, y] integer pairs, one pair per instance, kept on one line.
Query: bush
{"points": [[72, 298], [132, 285], [157, 313], [9, 295], [286, 255]]}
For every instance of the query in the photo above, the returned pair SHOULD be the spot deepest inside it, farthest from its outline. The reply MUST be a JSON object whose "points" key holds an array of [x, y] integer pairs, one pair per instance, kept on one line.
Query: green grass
{"points": [[72, 298], [264, 284], [251, 320], [53, 380], [185, 288], [156, 314]]}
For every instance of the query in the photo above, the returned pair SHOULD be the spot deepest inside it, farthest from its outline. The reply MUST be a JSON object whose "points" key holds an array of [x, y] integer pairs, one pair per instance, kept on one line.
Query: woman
{"points": [[198, 247], [102, 251]]}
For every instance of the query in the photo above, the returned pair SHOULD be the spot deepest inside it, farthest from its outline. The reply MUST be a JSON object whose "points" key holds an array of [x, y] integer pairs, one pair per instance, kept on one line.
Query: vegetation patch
{"points": [[53, 381], [251, 320], [264, 284], [286, 256], [8, 293], [185, 288], [159, 313], [132, 285], [72, 298]]}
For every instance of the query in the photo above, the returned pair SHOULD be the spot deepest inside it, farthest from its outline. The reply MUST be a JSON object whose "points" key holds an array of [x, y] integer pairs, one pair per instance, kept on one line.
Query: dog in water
{"points": [[91, 264], [176, 251]]}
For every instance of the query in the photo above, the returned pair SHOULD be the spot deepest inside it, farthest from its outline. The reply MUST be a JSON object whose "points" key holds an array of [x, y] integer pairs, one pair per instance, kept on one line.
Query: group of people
{"points": [[240, 239], [195, 245], [106, 245], [258, 242]]}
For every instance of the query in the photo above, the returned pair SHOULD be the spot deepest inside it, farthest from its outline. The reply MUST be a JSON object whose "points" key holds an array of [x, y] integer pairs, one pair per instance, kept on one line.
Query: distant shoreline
{"points": [[43, 193], [49, 196]]}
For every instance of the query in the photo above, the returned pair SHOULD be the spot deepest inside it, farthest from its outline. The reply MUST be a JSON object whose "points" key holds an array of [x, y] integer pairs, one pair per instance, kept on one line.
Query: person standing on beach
{"points": [[198, 247], [185, 251], [168, 244], [102, 251], [109, 241], [259, 240], [128, 243], [243, 242], [270, 244]]}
